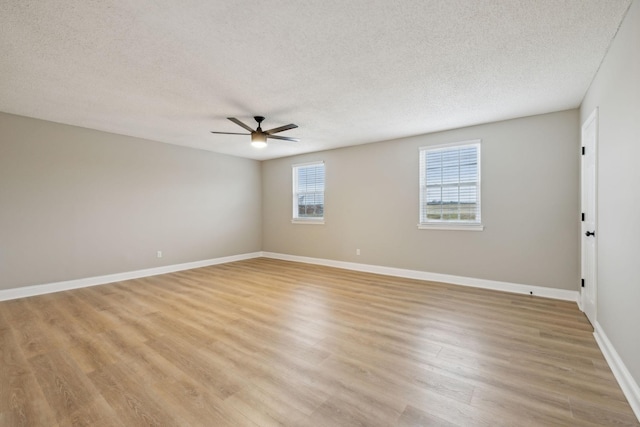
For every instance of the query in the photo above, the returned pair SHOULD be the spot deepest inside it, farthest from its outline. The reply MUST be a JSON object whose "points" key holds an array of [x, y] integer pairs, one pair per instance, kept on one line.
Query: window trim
{"points": [[294, 205], [451, 224]]}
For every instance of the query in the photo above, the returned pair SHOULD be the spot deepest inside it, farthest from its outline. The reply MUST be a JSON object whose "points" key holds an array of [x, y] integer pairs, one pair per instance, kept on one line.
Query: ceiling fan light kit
{"points": [[259, 136], [258, 140]]}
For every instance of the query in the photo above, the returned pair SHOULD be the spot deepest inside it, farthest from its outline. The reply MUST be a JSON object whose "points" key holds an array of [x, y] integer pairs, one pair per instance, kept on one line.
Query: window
{"points": [[450, 186], [308, 193]]}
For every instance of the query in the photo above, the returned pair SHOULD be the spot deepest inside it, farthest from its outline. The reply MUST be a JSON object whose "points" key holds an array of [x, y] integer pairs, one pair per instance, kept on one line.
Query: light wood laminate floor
{"points": [[268, 343]]}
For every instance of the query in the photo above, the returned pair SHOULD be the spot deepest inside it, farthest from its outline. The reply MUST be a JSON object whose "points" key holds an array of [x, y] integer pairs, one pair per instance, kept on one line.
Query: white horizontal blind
{"points": [[450, 183], [308, 191]]}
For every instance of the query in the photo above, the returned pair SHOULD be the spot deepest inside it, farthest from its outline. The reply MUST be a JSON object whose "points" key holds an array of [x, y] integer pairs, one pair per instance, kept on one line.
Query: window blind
{"points": [[450, 183], [308, 190]]}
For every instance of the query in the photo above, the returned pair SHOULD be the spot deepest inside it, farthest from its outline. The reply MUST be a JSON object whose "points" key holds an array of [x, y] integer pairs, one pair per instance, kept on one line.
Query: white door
{"points": [[589, 292]]}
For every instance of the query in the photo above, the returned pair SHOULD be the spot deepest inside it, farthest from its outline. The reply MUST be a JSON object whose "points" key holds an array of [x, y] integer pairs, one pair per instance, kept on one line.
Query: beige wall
{"points": [[616, 93], [530, 196], [78, 203]]}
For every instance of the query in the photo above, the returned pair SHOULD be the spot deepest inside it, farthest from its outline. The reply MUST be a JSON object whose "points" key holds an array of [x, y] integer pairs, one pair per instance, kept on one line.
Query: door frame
{"points": [[593, 117]]}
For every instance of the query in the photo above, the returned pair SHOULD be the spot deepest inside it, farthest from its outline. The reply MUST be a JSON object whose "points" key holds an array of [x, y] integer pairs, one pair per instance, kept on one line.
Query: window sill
{"points": [[451, 226], [308, 221]]}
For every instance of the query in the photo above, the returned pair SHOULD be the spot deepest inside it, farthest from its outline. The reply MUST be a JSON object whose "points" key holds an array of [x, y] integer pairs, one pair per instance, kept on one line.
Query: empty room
{"points": [[356, 213]]}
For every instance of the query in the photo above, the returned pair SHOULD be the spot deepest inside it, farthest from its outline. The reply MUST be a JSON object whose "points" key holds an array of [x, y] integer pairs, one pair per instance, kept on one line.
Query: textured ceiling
{"points": [[347, 72]]}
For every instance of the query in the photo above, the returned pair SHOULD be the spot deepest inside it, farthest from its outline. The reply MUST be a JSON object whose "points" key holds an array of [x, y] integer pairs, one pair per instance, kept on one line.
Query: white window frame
{"points": [[449, 224], [295, 218]]}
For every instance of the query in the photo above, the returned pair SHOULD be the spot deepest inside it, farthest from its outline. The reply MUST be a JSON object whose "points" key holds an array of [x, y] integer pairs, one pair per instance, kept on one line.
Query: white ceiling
{"points": [[346, 71]]}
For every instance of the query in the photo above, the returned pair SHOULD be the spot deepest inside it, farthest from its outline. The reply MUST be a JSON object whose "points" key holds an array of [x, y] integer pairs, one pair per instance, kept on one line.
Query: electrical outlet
{"points": [[159, 254], [357, 251]]}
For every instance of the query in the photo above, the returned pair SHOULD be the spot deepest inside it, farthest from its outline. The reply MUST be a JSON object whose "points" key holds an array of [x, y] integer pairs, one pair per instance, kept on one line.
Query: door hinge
{"points": [[583, 283], [583, 216], [583, 149]]}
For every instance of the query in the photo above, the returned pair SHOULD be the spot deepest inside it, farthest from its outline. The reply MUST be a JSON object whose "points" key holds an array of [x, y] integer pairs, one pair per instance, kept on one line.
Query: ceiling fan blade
{"points": [[239, 123], [285, 138], [230, 133], [280, 129]]}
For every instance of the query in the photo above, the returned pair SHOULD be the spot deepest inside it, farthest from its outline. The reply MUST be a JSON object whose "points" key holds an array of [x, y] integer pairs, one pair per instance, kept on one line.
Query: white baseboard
{"points": [[628, 385], [540, 291], [48, 288], [27, 291], [579, 301]]}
